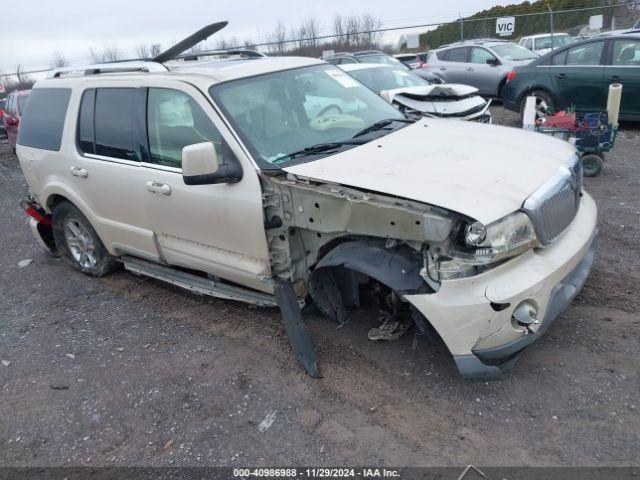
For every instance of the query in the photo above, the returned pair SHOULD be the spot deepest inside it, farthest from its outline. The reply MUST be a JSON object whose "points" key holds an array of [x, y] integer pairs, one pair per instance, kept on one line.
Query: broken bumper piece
{"points": [[475, 315]]}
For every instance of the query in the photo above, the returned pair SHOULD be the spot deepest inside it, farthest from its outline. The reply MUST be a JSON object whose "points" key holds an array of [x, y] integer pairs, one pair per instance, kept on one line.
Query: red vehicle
{"points": [[2, 102], [13, 110]]}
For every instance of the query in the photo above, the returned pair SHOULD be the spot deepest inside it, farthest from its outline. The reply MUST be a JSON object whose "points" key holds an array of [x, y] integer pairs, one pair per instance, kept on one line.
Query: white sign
{"points": [[595, 22], [506, 26], [413, 40], [327, 54]]}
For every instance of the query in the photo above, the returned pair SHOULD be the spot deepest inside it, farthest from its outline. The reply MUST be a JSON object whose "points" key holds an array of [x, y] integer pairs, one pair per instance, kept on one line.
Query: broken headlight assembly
{"points": [[476, 247], [506, 238]]}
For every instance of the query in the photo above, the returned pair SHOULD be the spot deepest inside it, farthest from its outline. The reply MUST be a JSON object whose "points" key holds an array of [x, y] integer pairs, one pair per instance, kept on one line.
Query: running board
{"points": [[194, 283]]}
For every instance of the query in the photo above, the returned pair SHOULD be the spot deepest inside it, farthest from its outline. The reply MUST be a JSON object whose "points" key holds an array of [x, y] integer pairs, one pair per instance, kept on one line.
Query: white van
{"points": [[284, 181]]}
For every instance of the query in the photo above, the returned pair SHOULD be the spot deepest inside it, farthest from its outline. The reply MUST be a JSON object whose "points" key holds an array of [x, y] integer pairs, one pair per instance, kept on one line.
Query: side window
{"points": [[626, 53], [480, 55], [559, 58], [43, 120], [585, 54], [458, 55], [86, 136], [175, 120], [9, 109], [529, 44], [114, 123]]}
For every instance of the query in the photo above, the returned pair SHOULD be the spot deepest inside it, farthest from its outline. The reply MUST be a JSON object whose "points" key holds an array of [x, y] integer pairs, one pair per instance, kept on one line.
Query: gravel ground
{"points": [[128, 371]]}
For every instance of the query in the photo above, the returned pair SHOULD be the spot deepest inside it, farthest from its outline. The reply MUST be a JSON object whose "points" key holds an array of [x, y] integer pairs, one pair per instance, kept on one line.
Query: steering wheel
{"points": [[329, 107]]}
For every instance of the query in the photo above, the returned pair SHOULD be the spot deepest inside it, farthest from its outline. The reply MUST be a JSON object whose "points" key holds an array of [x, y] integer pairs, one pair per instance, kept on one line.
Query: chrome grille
{"points": [[555, 204]]}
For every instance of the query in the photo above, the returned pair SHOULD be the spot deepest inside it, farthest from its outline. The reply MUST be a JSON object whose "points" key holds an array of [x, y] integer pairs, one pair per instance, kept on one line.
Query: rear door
{"points": [[105, 171], [482, 75], [577, 77], [218, 229], [623, 66], [453, 64]]}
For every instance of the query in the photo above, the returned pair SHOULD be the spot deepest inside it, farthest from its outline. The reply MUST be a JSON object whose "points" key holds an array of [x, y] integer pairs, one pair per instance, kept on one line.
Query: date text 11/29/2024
{"points": [[315, 473]]}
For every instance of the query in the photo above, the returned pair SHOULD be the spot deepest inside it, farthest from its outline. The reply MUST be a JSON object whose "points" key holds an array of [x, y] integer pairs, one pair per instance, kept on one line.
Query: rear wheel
{"points": [[544, 104], [591, 164], [78, 243]]}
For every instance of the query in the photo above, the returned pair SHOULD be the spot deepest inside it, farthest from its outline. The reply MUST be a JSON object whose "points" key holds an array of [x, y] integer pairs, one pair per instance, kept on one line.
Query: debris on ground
{"points": [[267, 422]]}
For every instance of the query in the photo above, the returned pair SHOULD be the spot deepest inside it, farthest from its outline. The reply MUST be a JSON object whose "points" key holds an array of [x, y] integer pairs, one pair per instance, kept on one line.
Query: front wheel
{"points": [[78, 243], [591, 164]]}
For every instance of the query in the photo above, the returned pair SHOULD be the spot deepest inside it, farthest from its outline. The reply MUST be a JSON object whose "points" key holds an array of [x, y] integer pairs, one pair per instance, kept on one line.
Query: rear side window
{"points": [[457, 55], [43, 119], [559, 58], [113, 122]]}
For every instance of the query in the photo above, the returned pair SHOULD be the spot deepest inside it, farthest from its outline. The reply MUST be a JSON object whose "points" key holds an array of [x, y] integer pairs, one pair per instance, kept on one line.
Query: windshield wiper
{"points": [[316, 149], [381, 124]]}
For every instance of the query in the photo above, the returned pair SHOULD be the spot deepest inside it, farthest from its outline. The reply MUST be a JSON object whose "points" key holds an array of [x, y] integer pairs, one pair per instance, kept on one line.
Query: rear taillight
{"points": [[511, 75], [36, 212]]}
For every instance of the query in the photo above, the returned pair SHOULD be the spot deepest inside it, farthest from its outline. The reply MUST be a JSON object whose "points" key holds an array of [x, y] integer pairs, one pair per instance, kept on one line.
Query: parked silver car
{"points": [[483, 64]]}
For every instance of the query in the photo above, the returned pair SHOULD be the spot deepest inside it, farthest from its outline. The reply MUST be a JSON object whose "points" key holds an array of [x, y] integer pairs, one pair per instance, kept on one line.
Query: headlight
{"points": [[505, 238]]}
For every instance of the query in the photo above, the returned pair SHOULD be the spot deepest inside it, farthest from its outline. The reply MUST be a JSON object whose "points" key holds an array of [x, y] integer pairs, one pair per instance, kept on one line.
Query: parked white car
{"points": [[545, 42], [227, 178], [412, 94]]}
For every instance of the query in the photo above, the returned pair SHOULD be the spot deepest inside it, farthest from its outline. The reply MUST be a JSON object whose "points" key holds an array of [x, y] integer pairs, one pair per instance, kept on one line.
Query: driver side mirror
{"points": [[494, 62], [200, 166]]}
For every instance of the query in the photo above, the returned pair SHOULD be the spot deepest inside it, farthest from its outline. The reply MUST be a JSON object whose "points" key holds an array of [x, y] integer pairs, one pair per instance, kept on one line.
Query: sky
{"points": [[33, 31]]}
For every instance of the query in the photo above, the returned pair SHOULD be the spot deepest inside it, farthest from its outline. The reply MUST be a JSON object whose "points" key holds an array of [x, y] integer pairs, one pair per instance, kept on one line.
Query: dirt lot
{"points": [[127, 371]]}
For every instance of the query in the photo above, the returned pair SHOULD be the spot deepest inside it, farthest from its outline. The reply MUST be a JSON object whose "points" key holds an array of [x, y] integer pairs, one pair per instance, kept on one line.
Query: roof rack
{"points": [[149, 65], [242, 52], [114, 67]]}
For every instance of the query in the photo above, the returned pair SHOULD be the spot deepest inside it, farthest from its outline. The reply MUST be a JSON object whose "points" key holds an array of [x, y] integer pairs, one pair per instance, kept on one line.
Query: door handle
{"points": [[157, 187], [615, 78], [561, 76], [79, 172], [470, 69], [443, 68]]}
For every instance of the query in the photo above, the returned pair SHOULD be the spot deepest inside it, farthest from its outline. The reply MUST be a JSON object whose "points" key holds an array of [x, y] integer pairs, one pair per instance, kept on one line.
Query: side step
{"points": [[194, 283]]}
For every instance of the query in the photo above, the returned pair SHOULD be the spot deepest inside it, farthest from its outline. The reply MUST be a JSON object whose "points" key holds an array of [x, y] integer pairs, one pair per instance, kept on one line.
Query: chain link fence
{"points": [[574, 22]]}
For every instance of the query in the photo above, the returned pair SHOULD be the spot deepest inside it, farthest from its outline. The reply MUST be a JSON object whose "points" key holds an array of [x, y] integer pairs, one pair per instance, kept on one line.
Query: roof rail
{"points": [[114, 67], [243, 52]]}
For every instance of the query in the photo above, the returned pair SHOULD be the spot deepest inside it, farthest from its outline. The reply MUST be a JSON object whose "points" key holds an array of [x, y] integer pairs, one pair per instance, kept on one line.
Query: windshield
{"points": [[513, 52], [558, 41], [22, 103], [283, 112], [378, 58], [379, 79]]}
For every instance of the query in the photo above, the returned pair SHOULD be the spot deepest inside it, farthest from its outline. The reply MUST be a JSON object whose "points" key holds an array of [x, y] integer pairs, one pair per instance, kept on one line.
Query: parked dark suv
{"points": [[580, 75]]}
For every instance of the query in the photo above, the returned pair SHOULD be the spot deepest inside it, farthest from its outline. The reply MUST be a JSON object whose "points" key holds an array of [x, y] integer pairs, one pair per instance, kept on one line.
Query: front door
{"points": [[624, 67], [484, 70], [218, 229], [577, 77]]}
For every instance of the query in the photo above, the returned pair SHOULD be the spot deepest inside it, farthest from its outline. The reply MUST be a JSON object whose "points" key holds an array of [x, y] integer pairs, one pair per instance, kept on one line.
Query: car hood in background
{"points": [[482, 171], [445, 100]]}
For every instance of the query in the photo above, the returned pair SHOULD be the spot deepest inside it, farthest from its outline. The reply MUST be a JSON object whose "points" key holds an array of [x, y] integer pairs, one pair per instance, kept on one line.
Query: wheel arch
{"points": [[532, 88]]}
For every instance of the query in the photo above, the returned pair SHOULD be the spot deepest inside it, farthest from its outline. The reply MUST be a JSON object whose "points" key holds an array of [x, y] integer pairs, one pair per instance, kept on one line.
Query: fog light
{"points": [[526, 315]]}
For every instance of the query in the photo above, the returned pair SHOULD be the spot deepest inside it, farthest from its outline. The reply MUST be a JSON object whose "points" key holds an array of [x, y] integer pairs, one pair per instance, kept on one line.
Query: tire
{"points": [[544, 104], [591, 164], [78, 243]]}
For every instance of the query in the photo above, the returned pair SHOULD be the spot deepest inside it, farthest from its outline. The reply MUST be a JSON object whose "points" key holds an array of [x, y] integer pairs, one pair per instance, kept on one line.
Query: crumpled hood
{"points": [[445, 100], [482, 171]]}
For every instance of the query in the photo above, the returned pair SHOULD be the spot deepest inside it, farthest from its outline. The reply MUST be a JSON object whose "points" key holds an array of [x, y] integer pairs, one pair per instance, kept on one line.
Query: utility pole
{"points": [[551, 24], [461, 28]]}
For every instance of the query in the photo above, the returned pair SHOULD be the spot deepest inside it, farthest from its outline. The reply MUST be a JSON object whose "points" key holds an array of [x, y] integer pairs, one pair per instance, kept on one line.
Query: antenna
{"points": [[189, 42]]}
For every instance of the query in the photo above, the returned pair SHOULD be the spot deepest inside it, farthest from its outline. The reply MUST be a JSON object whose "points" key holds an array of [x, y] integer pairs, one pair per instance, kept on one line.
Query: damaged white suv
{"points": [[284, 181]]}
